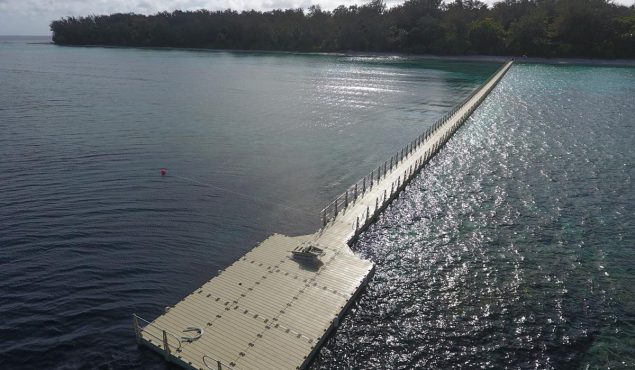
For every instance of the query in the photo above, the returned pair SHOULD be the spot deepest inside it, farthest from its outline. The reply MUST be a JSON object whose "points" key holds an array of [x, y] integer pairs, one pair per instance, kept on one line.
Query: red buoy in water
{"points": [[164, 171]]}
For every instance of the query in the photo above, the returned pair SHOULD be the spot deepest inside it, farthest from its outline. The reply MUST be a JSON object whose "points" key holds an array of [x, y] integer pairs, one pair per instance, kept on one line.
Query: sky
{"points": [[32, 17]]}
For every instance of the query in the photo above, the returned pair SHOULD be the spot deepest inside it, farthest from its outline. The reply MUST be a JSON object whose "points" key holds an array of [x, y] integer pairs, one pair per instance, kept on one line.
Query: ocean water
{"points": [[254, 143], [512, 249]]}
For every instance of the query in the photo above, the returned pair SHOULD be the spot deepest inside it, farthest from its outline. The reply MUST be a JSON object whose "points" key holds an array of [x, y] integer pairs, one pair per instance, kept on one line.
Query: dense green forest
{"points": [[544, 28]]}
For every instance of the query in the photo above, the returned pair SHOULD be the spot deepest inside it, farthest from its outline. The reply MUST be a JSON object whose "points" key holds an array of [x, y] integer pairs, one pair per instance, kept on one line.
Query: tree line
{"points": [[540, 28]]}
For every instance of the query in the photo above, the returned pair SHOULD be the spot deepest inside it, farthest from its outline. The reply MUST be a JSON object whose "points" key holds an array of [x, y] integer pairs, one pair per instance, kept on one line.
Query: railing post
{"points": [[390, 163], [384, 196], [335, 214], [220, 366], [378, 173], [324, 217], [137, 330], [357, 223], [364, 185], [367, 213], [346, 199], [376, 204], [385, 167], [372, 176], [166, 346]]}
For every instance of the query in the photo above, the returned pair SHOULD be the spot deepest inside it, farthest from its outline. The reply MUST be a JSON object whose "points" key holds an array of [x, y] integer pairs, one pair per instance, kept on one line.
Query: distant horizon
{"points": [[10, 35]]}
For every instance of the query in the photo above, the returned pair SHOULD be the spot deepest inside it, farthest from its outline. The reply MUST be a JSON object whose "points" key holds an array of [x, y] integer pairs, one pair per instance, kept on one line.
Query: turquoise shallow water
{"points": [[515, 247], [512, 249]]}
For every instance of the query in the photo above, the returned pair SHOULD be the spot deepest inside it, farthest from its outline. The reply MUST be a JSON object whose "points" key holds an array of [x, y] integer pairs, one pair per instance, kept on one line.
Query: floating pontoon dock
{"points": [[272, 309]]}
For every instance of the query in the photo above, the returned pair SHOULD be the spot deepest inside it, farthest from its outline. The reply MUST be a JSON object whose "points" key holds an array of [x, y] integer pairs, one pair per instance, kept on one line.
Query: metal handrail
{"points": [[139, 329], [342, 202], [148, 323]]}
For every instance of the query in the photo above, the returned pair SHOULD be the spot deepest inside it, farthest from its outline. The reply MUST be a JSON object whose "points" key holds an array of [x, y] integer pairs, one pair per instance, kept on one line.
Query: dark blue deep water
{"points": [[512, 249]]}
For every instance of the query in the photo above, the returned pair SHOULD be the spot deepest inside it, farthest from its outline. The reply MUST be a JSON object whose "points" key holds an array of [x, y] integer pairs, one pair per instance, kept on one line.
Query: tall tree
{"points": [[583, 28]]}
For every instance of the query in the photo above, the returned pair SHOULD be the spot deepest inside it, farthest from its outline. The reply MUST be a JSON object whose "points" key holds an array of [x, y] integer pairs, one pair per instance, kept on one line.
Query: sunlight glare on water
{"points": [[513, 248], [254, 143]]}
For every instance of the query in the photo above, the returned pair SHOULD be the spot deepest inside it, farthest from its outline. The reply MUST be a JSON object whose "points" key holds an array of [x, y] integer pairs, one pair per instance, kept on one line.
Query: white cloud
{"points": [[32, 17]]}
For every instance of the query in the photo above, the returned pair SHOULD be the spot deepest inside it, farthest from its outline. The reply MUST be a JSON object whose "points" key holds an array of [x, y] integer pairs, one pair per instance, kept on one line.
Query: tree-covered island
{"points": [[539, 28]]}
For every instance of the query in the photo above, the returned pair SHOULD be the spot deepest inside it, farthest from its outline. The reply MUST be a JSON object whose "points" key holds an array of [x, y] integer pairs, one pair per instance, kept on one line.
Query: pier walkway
{"points": [[269, 310]]}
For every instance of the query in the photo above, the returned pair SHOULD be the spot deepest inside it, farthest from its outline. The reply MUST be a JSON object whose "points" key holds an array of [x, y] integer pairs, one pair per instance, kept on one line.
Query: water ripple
{"points": [[503, 252]]}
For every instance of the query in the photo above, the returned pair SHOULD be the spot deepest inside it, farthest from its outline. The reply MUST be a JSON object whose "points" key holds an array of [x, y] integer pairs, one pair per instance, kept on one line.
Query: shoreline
{"points": [[455, 58]]}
